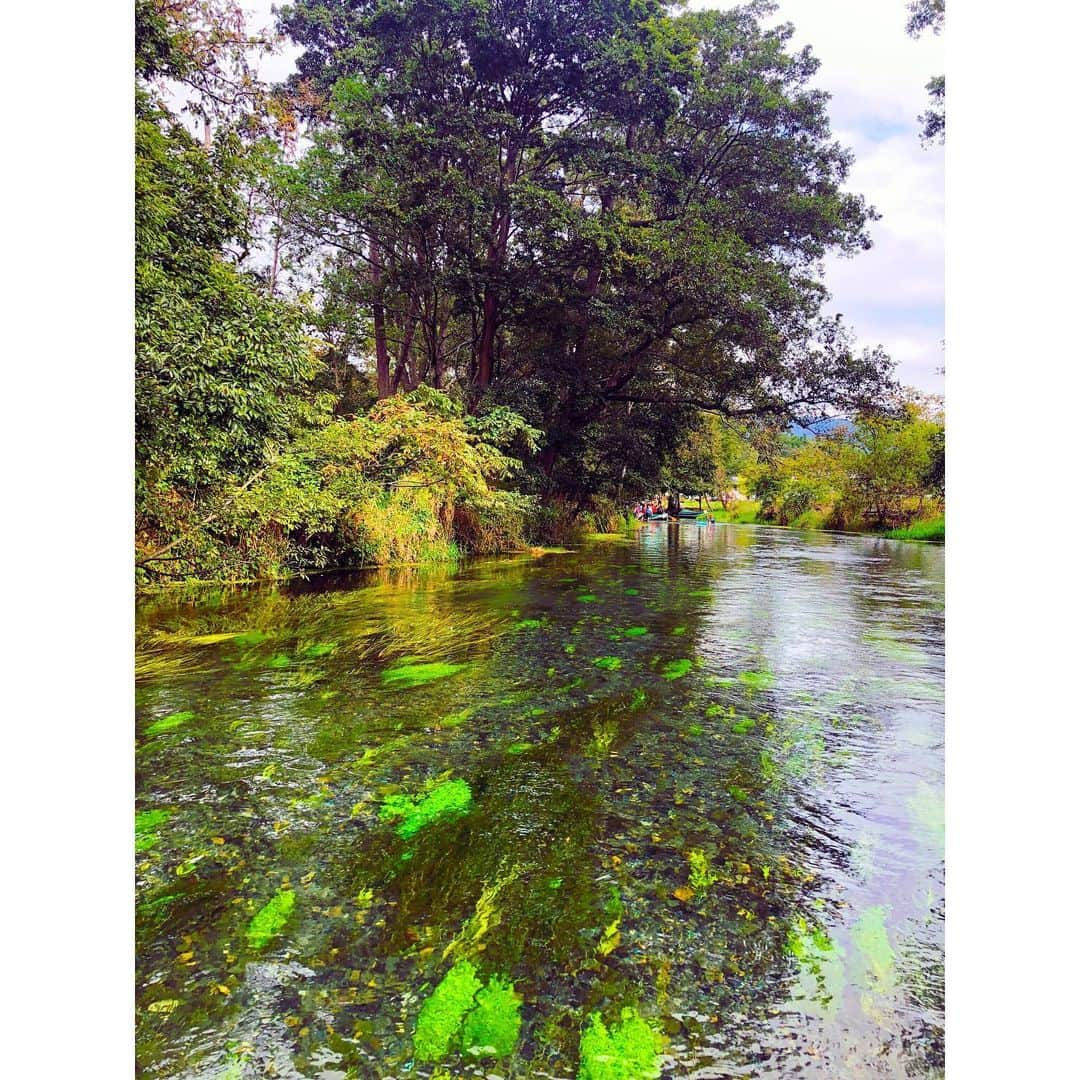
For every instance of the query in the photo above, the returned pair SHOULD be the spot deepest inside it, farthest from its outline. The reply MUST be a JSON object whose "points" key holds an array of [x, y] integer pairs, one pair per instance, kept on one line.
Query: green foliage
{"points": [[391, 487], [442, 1014], [652, 267], [270, 919], [223, 370], [608, 663], [445, 801], [886, 470], [491, 1029], [629, 1051]]}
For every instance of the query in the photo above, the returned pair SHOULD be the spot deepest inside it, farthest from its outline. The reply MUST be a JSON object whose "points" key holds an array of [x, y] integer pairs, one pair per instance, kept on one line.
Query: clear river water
{"points": [[695, 773]]}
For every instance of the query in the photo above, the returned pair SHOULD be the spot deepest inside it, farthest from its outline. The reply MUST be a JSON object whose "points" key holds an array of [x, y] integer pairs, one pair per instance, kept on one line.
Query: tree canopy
{"points": [[570, 208]]}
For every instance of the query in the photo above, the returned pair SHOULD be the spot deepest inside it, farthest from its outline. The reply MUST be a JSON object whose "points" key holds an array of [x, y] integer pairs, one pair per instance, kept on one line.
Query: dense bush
{"points": [[410, 482]]}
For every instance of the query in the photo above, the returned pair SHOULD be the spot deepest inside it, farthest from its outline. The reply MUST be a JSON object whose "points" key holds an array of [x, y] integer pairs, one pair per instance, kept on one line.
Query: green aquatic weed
{"points": [[146, 823], [756, 680], [320, 648], [280, 660], [169, 723], [250, 637], [872, 940], [148, 820], [741, 727], [631, 592], [410, 674], [927, 807], [676, 669], [454, 719], [442, 1014], [608, 663], [450, 799], [629, 1051], [528, 624], [702, 874], [695, 729], [636, 631], [491, 1029], [270, 919], [587, 598], [821, 965], [570, 648]]}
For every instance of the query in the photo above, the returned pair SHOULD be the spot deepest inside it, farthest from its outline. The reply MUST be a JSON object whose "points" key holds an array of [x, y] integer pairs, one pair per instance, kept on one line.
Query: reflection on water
{"points": [[703, 778]]}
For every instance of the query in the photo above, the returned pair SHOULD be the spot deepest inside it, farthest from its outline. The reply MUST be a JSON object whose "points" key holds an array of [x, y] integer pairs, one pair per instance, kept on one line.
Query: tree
{"points": [[223, 371], [573, 209], [930, 15]]}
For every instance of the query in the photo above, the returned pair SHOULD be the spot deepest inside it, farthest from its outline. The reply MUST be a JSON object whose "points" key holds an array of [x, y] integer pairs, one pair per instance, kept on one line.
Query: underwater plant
{"points": [[676, 669], [146, 823], [484, 1020], [270, 919], [630, 1050], [491, 1029], [756, 680], [442, 1014], [450, 799], [702, 874], [168, 723], [411, 674]]}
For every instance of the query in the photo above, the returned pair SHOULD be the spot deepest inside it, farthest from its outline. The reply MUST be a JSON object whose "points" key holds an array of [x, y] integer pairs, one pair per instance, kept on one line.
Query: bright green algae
{"points": [[447, 800], [462, 1013], [146, 824], [409, 675], [442, 1014], [676, 669], [169, 723], [491, 1029], [630, 1050], [270, 919]]}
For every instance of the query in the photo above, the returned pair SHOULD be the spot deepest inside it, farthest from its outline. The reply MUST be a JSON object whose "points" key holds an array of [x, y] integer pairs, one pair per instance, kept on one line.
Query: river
{"points": [[696, 773]]}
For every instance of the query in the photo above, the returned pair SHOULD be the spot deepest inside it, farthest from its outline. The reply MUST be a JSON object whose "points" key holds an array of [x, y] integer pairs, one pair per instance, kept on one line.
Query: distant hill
{"points": [[822, 427]]}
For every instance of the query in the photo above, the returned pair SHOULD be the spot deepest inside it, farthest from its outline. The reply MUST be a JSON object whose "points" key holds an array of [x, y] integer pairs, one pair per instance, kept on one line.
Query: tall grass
{"points": [[932, 529]]}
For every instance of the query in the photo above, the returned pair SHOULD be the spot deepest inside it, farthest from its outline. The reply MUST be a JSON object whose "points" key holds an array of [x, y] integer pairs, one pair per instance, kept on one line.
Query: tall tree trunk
{"points": [[496, 255], [382, 354]]}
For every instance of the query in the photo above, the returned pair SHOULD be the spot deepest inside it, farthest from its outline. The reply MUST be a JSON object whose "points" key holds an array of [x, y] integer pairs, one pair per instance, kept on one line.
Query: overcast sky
{"points": [[894, 294]]}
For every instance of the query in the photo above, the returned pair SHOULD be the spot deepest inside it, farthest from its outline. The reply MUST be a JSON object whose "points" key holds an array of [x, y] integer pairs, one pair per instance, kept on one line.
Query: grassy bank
{"points": [[749, 512]]}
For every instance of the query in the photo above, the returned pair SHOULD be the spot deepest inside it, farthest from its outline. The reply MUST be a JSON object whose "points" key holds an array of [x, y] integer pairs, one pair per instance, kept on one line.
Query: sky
{"points": [[894, 294]]}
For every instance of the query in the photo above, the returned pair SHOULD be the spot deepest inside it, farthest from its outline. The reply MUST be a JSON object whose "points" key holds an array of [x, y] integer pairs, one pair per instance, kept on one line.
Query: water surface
{"points": [[764, 704]]}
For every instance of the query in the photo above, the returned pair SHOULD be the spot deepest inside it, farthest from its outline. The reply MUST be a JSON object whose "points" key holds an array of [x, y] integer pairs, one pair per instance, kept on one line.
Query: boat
{"points": [[657, 517]]}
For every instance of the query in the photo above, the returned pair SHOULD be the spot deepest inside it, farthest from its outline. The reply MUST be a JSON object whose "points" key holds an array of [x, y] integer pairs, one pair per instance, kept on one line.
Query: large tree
{"points": [[577, 207]]}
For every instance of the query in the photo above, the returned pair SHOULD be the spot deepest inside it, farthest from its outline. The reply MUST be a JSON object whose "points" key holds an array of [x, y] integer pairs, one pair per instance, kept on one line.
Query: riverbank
{"points": [[749, 512]]}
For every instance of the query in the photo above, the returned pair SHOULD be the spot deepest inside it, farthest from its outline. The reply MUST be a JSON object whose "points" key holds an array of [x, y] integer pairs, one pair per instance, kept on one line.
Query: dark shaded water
{"points": [[768, 709]]}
